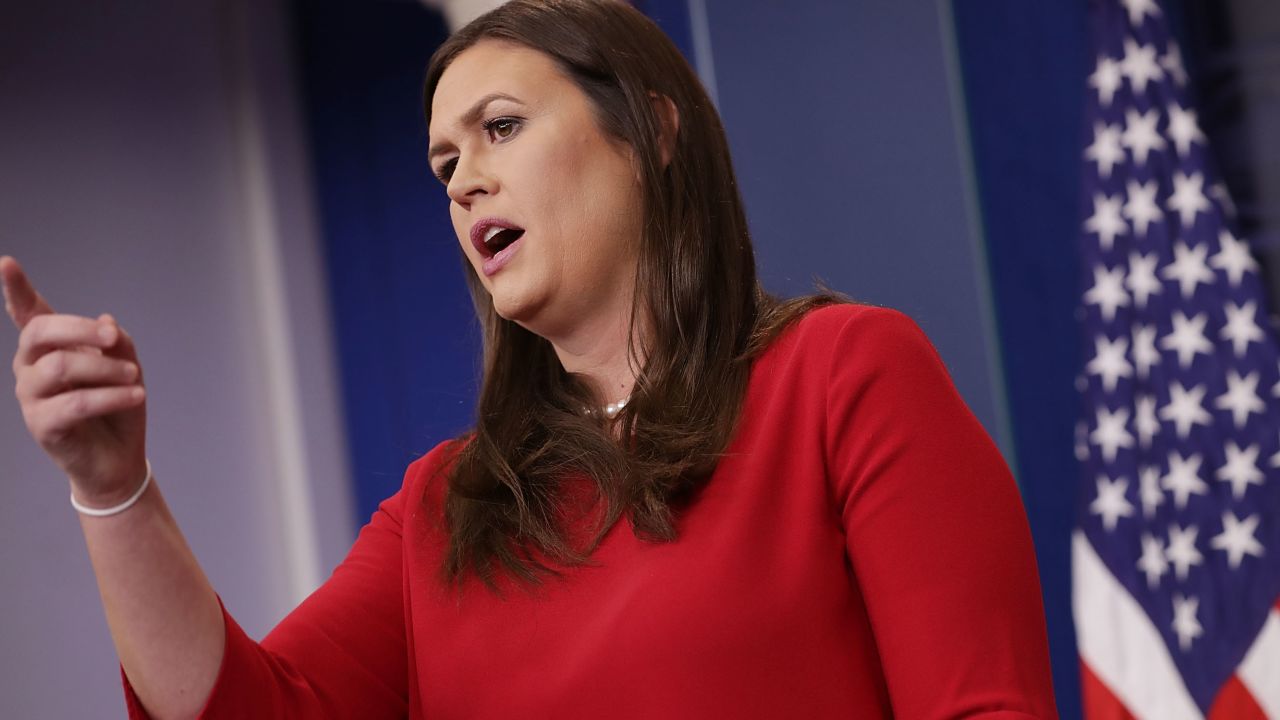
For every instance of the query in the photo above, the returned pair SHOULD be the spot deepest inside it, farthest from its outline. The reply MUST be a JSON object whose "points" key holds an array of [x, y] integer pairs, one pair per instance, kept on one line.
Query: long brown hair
{"points": [[696, 288]]}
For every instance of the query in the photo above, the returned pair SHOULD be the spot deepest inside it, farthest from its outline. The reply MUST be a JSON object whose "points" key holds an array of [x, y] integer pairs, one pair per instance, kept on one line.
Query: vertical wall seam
{"points": [[703, 57], [291, 475], [977, 237]]}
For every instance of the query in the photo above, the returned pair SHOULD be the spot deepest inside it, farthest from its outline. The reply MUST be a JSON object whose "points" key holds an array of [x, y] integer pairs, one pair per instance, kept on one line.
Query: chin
{"points": [[518, 307]]}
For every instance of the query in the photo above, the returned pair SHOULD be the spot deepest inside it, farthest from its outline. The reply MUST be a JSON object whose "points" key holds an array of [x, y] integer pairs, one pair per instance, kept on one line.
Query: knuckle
{"points": [[22, 389], [79, 403], [37, 424], [32, 333], [56, 366], [37, 328]]}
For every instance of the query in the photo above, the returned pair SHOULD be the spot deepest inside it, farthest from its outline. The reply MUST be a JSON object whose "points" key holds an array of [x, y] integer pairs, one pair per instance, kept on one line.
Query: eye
{"points": [[445, 171], [502, 129]]}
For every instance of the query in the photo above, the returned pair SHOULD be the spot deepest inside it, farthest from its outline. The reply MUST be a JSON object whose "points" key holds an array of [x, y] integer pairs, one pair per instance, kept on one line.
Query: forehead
{"points": [[488, 67]]}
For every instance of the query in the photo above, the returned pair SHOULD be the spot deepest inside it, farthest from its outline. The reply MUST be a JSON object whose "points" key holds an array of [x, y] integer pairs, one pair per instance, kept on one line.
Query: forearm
{"points": [[163, 615]]}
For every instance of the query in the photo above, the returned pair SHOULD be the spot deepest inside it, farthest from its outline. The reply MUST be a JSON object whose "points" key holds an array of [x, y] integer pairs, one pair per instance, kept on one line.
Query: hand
{"points": [[81, 392]]}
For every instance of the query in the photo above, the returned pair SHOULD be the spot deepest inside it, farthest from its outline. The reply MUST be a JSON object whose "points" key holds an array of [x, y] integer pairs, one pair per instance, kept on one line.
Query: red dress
{"points": [[861, 551]]}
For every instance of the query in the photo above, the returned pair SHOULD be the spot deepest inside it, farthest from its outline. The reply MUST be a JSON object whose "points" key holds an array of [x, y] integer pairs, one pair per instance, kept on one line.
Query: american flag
{"points": [[1176, 554]]}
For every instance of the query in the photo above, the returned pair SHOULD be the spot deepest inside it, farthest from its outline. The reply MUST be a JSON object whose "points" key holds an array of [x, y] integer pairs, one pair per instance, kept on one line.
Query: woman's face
{"points": [[546, 206]]}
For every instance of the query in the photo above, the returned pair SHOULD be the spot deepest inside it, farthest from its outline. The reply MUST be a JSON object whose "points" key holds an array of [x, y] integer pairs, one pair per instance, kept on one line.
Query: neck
{"points": [[598, 350]]}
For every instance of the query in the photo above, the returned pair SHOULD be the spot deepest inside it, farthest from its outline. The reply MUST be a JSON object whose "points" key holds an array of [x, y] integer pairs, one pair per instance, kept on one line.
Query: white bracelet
{"points": [[105, 512]]}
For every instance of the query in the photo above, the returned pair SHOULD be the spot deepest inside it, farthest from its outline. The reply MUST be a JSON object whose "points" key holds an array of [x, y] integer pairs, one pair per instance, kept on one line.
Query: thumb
{"points": [[21, 300]]}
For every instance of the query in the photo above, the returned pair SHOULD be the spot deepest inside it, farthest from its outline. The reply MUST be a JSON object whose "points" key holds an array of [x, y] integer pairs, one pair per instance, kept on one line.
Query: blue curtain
{"points": [[406, 337]]}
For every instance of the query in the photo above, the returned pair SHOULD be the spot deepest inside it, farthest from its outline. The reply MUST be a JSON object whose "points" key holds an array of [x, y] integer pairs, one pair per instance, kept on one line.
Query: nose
{"points": [[469, 181]]}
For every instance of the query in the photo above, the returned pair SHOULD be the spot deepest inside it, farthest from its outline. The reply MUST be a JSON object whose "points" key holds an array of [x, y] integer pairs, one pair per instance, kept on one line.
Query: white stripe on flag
{"points": [[1120, 645], [1260, 670]]}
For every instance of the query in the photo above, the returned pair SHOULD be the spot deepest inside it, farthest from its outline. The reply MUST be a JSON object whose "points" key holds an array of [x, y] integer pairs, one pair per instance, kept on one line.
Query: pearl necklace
{"points": [[610, 410]]}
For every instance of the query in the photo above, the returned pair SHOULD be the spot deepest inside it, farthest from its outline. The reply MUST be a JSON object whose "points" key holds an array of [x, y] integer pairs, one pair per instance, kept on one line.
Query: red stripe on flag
{"points": [[1235, 702], [1099, 703]]}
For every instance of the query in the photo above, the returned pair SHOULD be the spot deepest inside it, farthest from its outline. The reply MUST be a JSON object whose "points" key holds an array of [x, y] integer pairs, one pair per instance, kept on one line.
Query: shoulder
{"points": [[850, 332], [850, 356], [427, 478]]}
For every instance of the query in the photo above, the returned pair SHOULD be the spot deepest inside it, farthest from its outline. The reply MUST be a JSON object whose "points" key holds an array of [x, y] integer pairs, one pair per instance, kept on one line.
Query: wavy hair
{"points": [[696, 289]]}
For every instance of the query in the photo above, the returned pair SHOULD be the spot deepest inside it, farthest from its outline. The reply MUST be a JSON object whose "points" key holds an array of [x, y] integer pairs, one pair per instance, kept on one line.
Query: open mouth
{"points": [[497, 239]]}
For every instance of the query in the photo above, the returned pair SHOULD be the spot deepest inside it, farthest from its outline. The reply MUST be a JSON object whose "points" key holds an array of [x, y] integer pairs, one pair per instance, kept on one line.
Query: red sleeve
{"points": [[936, 531], [341, 653]]}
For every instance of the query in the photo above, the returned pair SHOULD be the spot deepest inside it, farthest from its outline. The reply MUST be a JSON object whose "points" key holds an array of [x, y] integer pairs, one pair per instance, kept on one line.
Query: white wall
{"points": [[152, 165]]}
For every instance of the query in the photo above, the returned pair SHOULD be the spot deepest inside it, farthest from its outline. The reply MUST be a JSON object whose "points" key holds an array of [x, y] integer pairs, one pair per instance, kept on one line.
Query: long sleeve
{"points": [[937, 535], [340, 654]]}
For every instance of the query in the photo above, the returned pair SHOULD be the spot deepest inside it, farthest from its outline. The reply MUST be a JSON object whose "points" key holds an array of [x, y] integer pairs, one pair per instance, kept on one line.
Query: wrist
{"points": [[111, 503]]}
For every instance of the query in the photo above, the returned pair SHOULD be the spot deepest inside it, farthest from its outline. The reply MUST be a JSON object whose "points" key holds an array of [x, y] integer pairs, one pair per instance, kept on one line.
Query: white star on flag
{"points": [[1110, 434], [1144, 421], [1183, 478], [1106, 150], [1153, 562], [1182, 552], [1185, 408], [1188, 268], [1241, 328], [1141, 206], [1233, 258], [1106, 220], [1140, 66], [1145, 355], [1184, 129], [1241, 469], [1106, 79], [1111, 503], [1109, 361], [1142, 281], [1185, 623], [1140, 134], [1188, 198], [1187, 338], [1241, 397], [1107, 291], [1237, 538]]}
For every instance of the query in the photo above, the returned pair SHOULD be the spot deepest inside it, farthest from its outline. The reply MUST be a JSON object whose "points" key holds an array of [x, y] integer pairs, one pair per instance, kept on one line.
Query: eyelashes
{"points": [[497, 130], [501, 129], [445, 172]]}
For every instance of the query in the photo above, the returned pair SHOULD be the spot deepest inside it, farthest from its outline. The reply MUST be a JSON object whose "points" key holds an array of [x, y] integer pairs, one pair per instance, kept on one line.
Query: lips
{"points": [[496, 239], [491, 236]]}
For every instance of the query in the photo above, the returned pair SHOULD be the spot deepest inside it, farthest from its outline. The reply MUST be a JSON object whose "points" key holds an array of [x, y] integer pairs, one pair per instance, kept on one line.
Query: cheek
{"points": [[584, 191]]}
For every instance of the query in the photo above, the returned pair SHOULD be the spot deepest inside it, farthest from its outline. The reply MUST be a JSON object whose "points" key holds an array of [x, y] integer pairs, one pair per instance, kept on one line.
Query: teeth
{"points": [[491, 233]]}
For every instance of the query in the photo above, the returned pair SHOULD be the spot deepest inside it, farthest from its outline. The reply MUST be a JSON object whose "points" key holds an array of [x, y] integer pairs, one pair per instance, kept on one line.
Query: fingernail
{"points": [[107, 333], [138, 393]]}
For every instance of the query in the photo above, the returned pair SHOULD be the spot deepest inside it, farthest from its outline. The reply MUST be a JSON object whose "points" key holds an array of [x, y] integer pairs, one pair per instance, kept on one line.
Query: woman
{"points": [[682, 498]]}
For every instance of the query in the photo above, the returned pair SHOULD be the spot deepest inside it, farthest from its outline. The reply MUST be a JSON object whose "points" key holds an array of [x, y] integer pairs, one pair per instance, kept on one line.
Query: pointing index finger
{"points": [[21, 300]]}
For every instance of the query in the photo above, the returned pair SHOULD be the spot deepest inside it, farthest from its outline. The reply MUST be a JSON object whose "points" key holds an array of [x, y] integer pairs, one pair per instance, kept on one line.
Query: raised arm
{"points": [[82, 396], [341, 653]]}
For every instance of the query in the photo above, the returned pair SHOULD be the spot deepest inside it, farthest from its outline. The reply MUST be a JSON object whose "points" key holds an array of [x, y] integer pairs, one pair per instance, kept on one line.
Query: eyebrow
{"points": [[470, 117]]}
